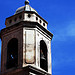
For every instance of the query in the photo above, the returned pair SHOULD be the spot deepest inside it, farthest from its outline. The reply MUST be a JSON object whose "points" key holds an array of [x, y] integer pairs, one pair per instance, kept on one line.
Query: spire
{"points": [[26, 2]]}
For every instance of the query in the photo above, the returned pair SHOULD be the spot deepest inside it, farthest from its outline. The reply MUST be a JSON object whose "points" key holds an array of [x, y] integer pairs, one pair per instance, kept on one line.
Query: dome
{"points": [[27, 7]]}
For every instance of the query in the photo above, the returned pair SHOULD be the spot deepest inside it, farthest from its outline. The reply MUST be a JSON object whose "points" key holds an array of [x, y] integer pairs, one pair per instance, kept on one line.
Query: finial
{"points": [[26, 2]]}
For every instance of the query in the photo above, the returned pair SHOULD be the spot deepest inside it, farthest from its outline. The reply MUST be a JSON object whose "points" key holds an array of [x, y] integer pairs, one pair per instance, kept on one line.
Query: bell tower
{"points": [[26, 44]]}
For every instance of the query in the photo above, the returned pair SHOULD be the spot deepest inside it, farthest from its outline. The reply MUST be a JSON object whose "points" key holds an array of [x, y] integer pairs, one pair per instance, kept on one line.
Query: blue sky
{"points": [[60, 15]]}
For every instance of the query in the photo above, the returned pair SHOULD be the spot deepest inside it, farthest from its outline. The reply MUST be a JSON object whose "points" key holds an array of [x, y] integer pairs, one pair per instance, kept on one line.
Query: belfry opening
{"points": [[43, 55], [12, 53]]}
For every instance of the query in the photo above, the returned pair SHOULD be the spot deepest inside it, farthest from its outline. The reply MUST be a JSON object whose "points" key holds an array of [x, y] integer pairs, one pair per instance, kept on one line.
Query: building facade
{"points": [[26, 44]]}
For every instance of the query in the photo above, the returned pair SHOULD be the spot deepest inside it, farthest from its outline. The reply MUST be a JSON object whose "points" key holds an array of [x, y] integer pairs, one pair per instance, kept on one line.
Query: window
{"points": [[15, 19], [12, 53], [36, 18], [40, 21], [43, 24], [20, 17], [10, 21], [43, 55], [29, 15]]}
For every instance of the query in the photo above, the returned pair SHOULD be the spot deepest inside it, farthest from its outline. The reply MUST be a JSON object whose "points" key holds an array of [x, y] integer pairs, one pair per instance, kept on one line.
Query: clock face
{"points": [[12, 53]]}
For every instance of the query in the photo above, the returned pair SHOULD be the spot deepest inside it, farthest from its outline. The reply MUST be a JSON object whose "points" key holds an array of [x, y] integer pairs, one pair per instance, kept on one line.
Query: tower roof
{"points": [[27, 7]]}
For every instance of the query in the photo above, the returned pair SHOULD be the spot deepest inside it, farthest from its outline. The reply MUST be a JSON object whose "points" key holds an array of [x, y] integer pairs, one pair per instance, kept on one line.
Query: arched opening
{"points": [[12, 53], [43, 55]]}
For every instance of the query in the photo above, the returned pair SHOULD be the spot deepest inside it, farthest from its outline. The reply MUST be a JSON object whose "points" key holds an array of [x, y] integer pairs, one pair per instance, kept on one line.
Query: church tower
{"points": [[26, 44]]}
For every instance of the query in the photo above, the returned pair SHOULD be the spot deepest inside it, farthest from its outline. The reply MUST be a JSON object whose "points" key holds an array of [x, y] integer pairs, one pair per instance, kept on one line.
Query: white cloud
{"points": [[64, 33], [71, 29]]}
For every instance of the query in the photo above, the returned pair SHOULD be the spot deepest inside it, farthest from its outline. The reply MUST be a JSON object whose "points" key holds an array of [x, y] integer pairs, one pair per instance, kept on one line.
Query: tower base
{"points": [[28, 70]]}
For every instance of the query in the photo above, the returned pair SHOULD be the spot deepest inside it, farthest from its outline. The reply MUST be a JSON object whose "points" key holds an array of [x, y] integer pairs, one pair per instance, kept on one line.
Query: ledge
{"points": [[29, 25], [28, 70]]}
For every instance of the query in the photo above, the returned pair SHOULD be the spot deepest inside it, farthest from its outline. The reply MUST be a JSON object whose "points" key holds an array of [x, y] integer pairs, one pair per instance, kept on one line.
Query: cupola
{"points": [[27, 7], [26, 13]]}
